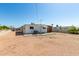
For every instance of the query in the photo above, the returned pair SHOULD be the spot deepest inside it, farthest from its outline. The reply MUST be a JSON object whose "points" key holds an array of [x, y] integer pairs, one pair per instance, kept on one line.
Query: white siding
{"points": [[37, 27]]}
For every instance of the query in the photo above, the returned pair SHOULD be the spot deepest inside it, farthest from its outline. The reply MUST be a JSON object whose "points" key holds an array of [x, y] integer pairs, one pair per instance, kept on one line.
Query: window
{"points": [[31, 27], [44, 27]]}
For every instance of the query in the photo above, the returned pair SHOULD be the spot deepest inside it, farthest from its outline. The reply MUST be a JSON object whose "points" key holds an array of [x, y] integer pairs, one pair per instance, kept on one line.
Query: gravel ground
{"points": [[53, 44]]}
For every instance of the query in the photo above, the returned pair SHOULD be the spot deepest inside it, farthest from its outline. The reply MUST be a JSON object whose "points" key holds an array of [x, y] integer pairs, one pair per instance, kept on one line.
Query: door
{"points": [[49, 29]]}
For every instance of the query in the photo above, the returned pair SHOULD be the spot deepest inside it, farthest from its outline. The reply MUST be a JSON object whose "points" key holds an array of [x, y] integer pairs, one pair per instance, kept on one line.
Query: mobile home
{"points": [[31, 28]]}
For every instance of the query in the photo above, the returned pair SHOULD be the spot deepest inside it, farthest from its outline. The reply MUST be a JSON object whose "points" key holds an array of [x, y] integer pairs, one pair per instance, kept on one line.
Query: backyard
{"points": [[51, 44]]}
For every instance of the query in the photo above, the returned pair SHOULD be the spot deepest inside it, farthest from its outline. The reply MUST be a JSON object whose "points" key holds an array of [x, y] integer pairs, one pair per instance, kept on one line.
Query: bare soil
{"points": [[51, 44]]}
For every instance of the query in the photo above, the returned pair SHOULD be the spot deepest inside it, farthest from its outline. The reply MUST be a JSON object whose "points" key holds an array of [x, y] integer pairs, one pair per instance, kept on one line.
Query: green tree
{"points": [[4, 27], [73, 30]]}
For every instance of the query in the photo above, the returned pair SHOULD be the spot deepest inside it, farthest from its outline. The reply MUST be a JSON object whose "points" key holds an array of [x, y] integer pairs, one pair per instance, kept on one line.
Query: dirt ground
{"points": [[52, 44]]}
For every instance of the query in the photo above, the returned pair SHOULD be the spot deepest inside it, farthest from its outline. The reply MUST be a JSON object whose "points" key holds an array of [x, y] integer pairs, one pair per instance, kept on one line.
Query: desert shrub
{"points": [[73, 30], [4, 27]]}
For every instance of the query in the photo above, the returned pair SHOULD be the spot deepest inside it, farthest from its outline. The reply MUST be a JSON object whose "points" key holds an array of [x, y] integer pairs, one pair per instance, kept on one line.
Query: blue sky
{"points": [[18, 14]]}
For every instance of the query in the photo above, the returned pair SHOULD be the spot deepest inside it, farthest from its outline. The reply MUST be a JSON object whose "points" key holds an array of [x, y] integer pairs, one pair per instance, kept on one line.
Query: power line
{"points": [[36, 7]]}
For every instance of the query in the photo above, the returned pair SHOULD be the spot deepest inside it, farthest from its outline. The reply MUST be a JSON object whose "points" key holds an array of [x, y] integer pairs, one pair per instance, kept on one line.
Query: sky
{"points": [[18, 14]]}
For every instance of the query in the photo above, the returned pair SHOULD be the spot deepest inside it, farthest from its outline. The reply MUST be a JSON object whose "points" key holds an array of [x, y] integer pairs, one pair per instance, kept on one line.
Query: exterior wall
{"points": [[37, 27], [62, 29], [56, 29], [26, 29]]}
